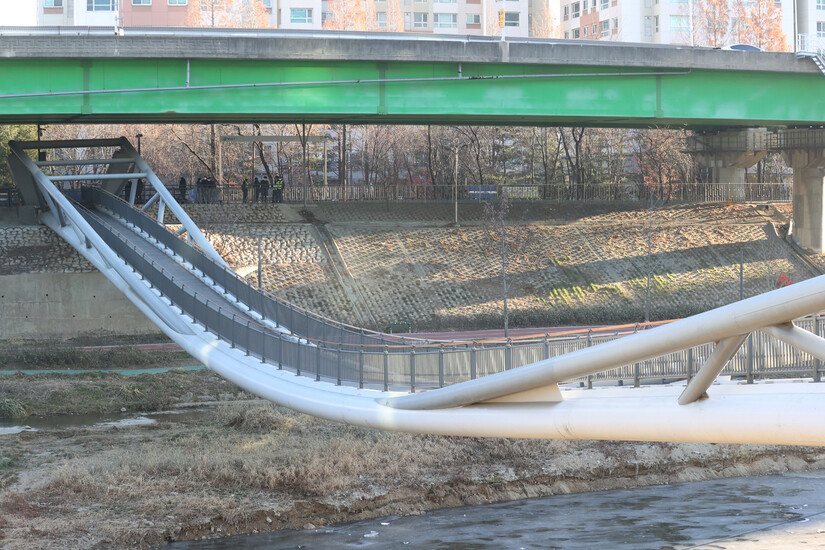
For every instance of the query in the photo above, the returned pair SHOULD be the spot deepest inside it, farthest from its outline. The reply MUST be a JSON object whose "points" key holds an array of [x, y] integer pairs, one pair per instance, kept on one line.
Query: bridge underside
{"points": [[80, 90]]}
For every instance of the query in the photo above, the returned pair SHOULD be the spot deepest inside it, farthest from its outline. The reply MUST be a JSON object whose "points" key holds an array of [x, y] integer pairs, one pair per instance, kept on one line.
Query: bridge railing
{"points": [[395, 365], [298, 320], [626, 192], [416, 368], [9, 197]]}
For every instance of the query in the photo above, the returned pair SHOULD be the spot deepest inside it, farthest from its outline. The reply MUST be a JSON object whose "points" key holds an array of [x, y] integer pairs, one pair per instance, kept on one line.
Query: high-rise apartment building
{"points": [[470, 17], [673, 21]]}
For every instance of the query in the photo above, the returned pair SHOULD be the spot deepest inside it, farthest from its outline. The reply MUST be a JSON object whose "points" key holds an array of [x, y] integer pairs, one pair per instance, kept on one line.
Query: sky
{"points": [[18, 12]]}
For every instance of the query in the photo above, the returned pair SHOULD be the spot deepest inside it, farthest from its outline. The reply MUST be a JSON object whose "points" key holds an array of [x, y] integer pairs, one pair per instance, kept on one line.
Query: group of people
{"points": [[260, 189], [206, 190]]}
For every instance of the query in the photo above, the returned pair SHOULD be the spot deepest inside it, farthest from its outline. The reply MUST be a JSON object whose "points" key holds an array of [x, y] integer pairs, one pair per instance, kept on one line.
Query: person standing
{"points": [[182, 190], [278, 187], [256, 190], [264, 190], [244, 190]]}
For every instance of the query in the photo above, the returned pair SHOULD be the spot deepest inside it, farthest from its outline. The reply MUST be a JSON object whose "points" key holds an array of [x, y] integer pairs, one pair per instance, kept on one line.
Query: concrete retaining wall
{"points": [[66, 305]]}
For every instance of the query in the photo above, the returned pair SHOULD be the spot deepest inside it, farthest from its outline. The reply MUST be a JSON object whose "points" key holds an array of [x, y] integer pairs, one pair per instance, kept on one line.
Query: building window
{"points": [[474, 19], [576, 9], [511, 19], [605, 28], [54, 3], [682, 2], [820, 4], [615, 24], [444, 1], [566, 35], [594, 29], [576, 33], [419, 20], [300, 15], [177, 2], [566, 12], [445, 20], [267, 3], [141, 2], [380, 18], [820, 29], [648, 26], [679, 23], [327, 16], [584, 31], [655, 23], [605, 4], [101, 5]]}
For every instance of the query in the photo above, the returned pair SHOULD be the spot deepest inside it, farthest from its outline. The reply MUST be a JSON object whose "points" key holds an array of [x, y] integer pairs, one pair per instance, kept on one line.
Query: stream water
{"points": [[667, 516]]}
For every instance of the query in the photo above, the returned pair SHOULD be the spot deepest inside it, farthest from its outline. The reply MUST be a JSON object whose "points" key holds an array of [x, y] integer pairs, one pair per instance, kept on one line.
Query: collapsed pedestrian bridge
{"points": [[304, 361]]}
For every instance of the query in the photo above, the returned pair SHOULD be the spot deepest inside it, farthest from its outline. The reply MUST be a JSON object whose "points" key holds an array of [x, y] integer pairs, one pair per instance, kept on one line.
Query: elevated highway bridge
{"points": [[186, 75]]}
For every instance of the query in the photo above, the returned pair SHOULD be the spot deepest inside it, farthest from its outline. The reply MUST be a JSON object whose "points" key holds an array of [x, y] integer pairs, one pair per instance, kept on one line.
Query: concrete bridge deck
{"points": [[222, 76]]}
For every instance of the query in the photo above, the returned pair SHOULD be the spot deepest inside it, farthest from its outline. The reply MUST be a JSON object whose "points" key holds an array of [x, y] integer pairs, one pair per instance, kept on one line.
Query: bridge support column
{"points": [[729, 154], [808, 227]]}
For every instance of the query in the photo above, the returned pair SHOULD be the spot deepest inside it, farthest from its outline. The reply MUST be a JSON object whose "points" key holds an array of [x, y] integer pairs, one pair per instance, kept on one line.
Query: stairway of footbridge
{"points": [[188, 75]]}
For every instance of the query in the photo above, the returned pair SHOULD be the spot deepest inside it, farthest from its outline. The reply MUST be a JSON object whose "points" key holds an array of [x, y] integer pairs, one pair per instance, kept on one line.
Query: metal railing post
{"points": [[473, 370], [361, 369], [280, 351], [508, 355], [588, 344], [690, 364], [298, 360], [441, 366], [817, 360], [386, 368], [263, 347], [318, 362], [247, 338], [750, 359], [412, 369], [340, 366], [546, 346]]}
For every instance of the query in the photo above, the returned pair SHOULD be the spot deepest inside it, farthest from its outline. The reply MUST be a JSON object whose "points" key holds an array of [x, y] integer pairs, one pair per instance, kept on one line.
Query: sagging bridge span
{"points": [[326, 369]]}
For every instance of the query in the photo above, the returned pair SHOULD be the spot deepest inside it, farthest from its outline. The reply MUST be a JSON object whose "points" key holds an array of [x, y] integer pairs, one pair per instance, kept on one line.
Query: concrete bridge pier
{"points": [[808, 226], [729, 154]]}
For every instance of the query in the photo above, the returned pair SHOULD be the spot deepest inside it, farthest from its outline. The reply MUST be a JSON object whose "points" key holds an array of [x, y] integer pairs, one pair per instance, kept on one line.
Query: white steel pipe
{"points": [[700, 383], [799, 338], [778, 306], [191, 228]]}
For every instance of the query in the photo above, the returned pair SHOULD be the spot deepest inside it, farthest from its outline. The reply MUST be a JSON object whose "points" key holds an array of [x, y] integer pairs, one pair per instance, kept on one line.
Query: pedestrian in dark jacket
{"points": [[244, 190], [182, 189]]}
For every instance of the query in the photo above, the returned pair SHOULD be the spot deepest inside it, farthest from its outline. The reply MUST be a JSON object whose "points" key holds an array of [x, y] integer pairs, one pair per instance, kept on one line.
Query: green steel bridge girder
{"points": [[121, 90]]}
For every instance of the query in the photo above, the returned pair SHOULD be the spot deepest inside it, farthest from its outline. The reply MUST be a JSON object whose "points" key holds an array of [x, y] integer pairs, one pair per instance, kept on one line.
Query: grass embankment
{"points": [[56, 393], [246, 467]]}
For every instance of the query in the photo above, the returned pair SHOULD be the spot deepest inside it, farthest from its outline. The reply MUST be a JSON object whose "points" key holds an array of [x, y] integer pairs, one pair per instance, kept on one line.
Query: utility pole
{"points": [[455, 187], [504, 274]]}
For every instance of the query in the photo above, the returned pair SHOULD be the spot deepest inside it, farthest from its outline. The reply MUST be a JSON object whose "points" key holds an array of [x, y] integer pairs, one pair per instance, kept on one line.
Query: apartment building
{"points": [[670, 21], [468, 17]]}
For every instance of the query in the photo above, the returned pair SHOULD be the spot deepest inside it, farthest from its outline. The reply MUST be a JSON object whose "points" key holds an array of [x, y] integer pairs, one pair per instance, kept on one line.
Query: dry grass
{"points": [[223, 470]]}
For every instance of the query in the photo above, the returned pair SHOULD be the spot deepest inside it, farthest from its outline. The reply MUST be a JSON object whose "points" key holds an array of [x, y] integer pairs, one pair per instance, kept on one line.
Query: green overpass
{"points": [[258, 76]]}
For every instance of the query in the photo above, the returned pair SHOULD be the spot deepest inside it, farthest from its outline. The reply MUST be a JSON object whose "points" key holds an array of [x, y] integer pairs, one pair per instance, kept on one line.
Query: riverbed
{"points": [[782, 511]]}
